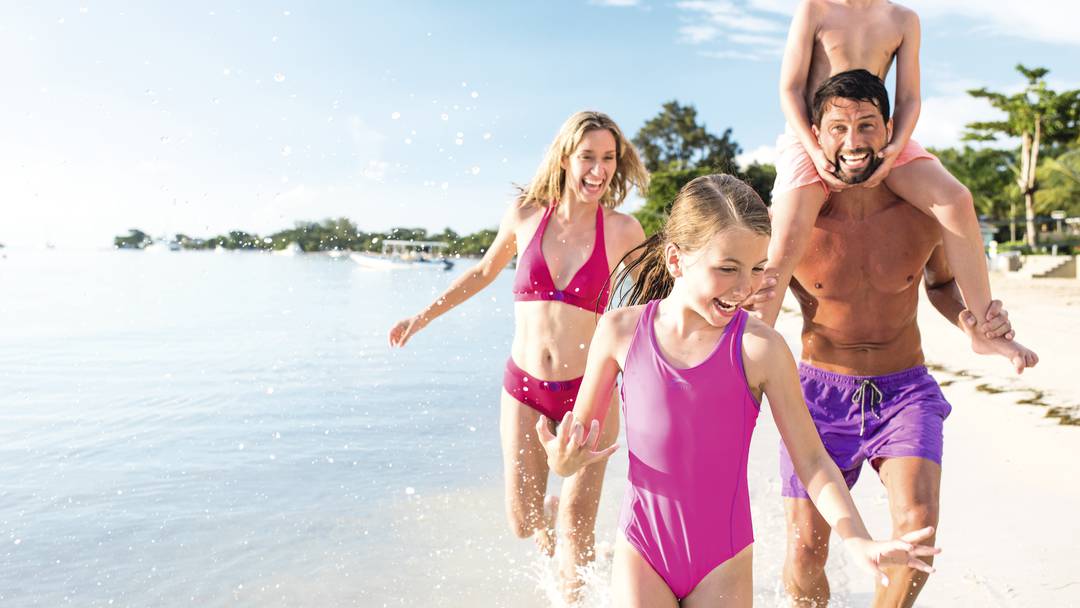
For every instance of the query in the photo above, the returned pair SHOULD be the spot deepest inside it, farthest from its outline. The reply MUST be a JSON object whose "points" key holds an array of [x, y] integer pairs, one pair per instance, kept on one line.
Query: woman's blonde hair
{"points": [[550, 179], [707, 205]]}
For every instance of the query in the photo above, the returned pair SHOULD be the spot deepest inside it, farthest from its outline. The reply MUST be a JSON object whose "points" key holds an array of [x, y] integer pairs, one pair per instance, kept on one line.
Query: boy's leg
{"points": [[793, 215], [914, 488], [927, 185]]}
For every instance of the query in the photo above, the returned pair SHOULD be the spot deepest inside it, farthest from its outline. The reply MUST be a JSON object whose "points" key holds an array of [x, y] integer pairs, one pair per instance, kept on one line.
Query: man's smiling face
{"points": [[851, 134]]}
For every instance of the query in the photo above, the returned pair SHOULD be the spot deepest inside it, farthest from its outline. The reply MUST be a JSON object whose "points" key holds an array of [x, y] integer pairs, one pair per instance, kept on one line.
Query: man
{"points": [[862, 362]]}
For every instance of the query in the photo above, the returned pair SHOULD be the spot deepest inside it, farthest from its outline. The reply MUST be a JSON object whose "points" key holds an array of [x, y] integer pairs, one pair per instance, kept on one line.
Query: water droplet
{"points": [[274, 39], [487, 135], [270, 389], [226, 71], [444, 116], [18, 541], [286, 13], [277, 434], [408, 140], [475, 170], [444, 185], [581, 346], [410, 490], [395, 116], [279, 77], [286, 150], [84, 9], [459, 141], [472, 428], [240, 447], [164, 139], [474, 94]]}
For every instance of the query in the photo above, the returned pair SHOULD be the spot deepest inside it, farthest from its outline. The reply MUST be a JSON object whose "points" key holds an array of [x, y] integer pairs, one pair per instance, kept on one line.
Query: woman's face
{"points": [[590, 167]]}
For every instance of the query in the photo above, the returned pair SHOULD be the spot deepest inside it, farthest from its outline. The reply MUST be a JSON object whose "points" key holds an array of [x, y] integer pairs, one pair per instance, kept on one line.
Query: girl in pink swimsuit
{"points": [[567, 236], [695, 367]]}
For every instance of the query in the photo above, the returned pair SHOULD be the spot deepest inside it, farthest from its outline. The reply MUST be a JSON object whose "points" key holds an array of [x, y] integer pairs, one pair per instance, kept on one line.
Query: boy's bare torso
{"points": [[854, 35]]}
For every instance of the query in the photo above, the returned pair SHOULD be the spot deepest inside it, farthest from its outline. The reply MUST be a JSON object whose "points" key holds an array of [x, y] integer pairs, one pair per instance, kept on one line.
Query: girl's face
{"points": [[590, 166], [718, 278]]}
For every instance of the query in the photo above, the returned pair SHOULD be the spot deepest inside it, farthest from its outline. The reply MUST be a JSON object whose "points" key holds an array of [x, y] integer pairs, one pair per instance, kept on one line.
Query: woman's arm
{"points": [[468, 284]]}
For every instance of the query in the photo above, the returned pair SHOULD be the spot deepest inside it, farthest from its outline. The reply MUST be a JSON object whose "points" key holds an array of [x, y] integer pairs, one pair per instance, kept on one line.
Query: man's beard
{"points": [[864, 174]]}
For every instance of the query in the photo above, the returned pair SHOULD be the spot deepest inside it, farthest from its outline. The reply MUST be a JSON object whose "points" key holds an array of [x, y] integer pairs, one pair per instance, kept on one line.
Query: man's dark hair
{"points": [[858, 85]]}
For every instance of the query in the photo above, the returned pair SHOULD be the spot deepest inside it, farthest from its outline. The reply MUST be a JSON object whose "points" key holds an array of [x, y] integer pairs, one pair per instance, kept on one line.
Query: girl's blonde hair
{"points": [[707, 205], [550, 179]]}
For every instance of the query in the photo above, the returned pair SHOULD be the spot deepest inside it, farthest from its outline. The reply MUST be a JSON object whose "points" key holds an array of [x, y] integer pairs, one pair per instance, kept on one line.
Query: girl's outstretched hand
{"points": [[873, 555], [571, 448]]}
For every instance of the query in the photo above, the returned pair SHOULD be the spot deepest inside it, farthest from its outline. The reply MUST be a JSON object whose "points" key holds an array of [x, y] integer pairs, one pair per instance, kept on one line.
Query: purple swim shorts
{"points": [[871, 418]]}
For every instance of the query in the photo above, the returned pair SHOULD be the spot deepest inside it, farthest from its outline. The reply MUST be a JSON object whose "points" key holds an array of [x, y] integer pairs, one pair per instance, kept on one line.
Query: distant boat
{"points": [[402, 255]]}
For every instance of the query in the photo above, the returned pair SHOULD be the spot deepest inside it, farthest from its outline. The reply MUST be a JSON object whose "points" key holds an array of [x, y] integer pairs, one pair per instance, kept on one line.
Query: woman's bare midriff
{"points": [[551, 339]]}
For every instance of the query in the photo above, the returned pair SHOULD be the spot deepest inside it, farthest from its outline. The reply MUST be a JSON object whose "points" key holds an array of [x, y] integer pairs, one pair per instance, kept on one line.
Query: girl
{"points": [[568, 237], [695, 367]]}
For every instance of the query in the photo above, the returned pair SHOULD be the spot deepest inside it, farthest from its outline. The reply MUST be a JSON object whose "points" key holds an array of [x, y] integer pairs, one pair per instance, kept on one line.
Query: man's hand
{"points": [[996, 337]]}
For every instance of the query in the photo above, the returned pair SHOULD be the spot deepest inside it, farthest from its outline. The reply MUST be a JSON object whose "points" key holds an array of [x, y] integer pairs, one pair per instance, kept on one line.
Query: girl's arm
{"points": [[572, 448], [771, 368], [468, 284], [794, 73], [908, 98]]}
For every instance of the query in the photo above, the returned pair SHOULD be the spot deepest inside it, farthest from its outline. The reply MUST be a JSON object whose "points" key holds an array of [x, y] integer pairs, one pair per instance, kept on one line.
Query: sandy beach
{"points": [[1009, 515]]}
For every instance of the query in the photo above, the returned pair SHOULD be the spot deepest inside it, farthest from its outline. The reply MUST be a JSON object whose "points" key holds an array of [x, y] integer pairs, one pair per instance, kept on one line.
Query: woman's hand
{"points": [[873, 556], [404, 329], [571, 448]]}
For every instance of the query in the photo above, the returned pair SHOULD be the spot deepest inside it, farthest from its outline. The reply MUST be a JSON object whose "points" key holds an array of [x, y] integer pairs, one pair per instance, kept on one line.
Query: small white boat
{"points": [[404, 255]]}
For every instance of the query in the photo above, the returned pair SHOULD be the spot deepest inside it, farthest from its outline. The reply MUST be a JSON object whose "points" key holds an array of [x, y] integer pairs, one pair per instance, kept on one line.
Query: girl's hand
{"points": [[827, 170], [888, 156], [571, 449], [873, 556], [404, 329]]}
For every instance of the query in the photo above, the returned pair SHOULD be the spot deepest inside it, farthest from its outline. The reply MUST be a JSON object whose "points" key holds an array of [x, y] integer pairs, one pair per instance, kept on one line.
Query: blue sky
{"points": [[201, 117]]}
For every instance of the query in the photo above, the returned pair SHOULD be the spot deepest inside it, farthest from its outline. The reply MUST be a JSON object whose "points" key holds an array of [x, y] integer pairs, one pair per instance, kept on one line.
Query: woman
{"points": [[568, 239]]}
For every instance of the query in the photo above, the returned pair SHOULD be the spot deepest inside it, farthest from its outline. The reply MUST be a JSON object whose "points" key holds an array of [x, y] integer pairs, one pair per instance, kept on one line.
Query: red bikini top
{"points": [[588, 289]]}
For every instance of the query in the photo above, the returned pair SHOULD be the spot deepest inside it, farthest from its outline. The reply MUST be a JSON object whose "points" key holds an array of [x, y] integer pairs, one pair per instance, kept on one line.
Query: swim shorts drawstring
{"points": [[860, 397]]}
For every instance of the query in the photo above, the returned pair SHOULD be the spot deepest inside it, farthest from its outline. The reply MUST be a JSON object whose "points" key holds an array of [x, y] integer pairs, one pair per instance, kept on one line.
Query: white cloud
{"points": [[943, 118], [761, 154], [1039, 20], [729, 54], [697, 34], [730, 16], [616, 3]]}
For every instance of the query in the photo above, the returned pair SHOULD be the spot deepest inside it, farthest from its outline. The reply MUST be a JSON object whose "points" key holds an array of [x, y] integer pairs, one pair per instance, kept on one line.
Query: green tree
{"points": [[663, 187], [135, 239], [1038, 116], [673, 139], [1060, 183]]}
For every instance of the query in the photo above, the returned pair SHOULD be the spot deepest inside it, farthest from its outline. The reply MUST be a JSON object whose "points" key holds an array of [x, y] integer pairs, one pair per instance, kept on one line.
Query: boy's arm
{"points": [[794, 73], [908, 97]]}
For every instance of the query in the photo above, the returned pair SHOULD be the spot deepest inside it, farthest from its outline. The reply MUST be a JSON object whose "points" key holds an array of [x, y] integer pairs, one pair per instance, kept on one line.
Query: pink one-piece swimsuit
{"points": [[687, 507]]}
